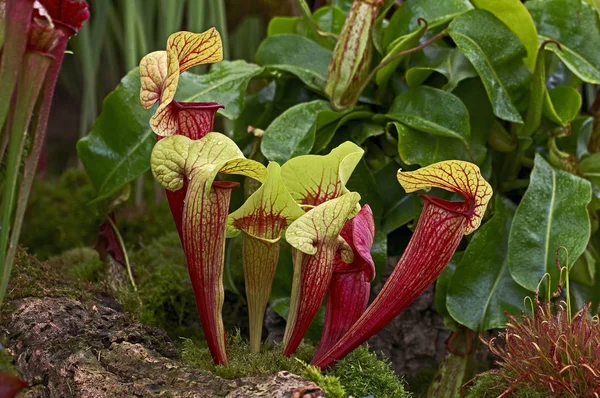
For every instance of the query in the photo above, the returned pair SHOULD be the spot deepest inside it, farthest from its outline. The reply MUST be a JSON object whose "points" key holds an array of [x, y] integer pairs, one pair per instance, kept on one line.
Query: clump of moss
{"points": [[242, 362], [362, 373], [491, 385], [330, 384], [81, 263], [33, 278], [6, 362]]}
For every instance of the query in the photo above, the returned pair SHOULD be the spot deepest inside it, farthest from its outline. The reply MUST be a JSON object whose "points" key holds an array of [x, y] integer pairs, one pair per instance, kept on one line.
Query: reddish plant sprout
{"points": [[159, 77], [441, 226], [348, 294], [549, 351], [10, 385]]}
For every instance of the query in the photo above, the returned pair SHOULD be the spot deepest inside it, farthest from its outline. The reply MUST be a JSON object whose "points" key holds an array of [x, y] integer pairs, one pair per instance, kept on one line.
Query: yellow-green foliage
{"points": [[359, 374]]}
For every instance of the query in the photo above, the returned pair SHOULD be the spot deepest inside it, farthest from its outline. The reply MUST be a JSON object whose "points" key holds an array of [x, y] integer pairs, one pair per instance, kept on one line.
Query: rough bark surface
{"points": [[88, 347]]}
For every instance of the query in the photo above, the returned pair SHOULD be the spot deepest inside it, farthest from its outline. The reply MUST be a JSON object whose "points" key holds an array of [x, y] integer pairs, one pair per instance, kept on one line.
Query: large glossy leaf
{"points": [[481, 289], [561, 104], [328, 137], [297, 55], [450, 62], [418, 147], [397, 46], [514, 15], [432, 111], [118, 147], [399, 206], [552, 213], [576, 26], [496, 53], [435, 12], [293, 132]]}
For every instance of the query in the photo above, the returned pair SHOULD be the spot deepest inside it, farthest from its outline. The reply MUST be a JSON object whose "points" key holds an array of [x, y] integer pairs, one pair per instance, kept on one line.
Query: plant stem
{"points": [[33, 74], [123, 249]]}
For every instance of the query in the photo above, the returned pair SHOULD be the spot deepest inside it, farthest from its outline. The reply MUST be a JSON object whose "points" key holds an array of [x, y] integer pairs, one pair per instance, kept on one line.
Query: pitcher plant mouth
{"points": [[440, 229]]}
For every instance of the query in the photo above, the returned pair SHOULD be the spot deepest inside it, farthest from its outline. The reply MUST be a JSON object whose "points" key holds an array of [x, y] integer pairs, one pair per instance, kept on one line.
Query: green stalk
{"points": [[131, 50], [123, 249], [34, 67], [218, 18]]}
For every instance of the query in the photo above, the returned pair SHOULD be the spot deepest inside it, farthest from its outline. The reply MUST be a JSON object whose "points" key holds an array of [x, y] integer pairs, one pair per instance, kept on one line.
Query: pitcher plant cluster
{"points": [[304, 201]]}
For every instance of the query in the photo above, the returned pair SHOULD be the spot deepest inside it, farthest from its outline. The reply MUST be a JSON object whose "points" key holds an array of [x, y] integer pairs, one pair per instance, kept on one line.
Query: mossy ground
{"points": [[360, 374]]}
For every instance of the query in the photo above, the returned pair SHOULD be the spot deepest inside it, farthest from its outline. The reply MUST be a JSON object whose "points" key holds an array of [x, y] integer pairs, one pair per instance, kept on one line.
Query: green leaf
{"points": [[552, 213], [441, 290], [514, 15], [481, 289], [397, 46], [399, 206], [417, 147], [225, 83], [297, 55], [562, 104], [293, 132], [496, 53], [282, 26], [537, 92], [590, 168], [436, 13], [330, 19], [325, 136], [449, 62], [432, 111], [117, 149], [576, 26], [579, 139]]}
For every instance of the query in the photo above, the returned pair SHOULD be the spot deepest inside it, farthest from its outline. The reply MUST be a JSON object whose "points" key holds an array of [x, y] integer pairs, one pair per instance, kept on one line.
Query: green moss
{"points": [[330, 384], [362, 373], [58, 215], [491, 385], [33, 278], [6, 362], [81, 263], [268, 361]]}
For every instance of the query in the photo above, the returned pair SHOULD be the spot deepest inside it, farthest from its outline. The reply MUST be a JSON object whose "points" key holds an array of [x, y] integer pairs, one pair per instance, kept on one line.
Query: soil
{"points": [[70, 341]]}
